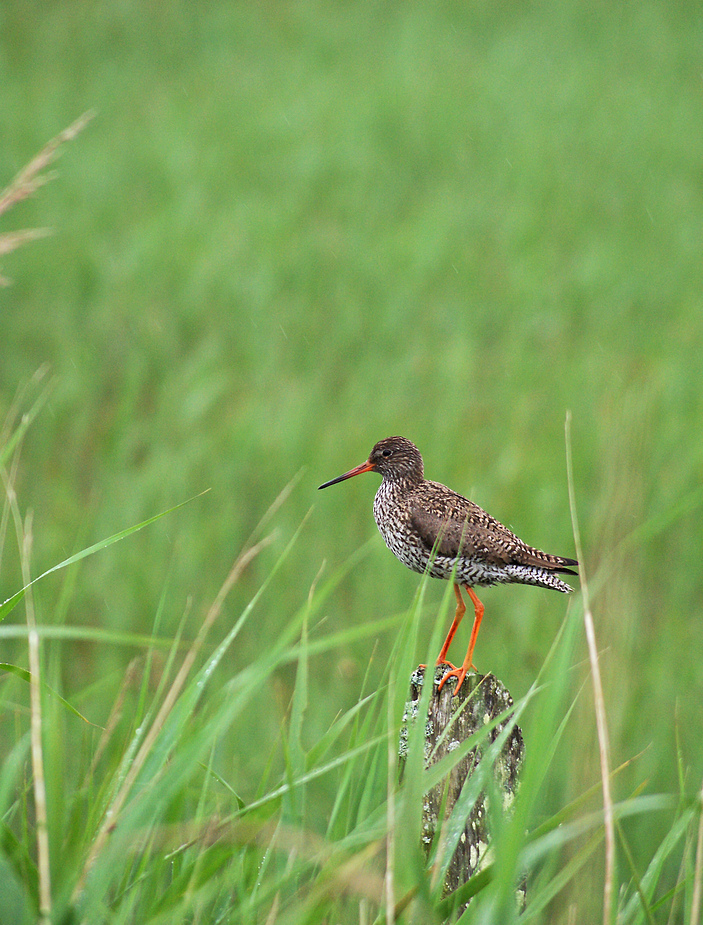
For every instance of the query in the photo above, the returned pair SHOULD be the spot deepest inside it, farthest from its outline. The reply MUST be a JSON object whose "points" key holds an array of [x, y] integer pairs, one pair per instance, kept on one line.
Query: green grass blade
{"points": [[12, 601], [25, 675]]}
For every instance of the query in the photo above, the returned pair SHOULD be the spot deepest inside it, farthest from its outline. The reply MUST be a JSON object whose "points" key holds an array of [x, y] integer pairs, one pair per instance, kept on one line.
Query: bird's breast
{"points": [[392, 515]]}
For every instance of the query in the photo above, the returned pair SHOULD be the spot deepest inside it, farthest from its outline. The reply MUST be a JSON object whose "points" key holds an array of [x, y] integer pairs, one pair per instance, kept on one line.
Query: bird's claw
{"points": [[458, 673], [443, 661]]}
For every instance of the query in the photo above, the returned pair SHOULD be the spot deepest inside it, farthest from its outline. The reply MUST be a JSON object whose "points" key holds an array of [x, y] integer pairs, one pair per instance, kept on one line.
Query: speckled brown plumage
{"points": [[431, 528]]}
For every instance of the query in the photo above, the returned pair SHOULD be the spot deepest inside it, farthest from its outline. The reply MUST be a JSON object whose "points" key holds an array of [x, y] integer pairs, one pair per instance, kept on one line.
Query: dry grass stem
{"points": [[24, 542], [275, 505], [40, 807], [599, 700], [273, 913], [132, 674], [11, 240], [31, 178], [28, 181]]}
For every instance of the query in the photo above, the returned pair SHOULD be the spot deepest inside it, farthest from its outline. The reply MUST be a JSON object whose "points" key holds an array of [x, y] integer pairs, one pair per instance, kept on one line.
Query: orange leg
{"points": [[460, 673], [458, 617]]}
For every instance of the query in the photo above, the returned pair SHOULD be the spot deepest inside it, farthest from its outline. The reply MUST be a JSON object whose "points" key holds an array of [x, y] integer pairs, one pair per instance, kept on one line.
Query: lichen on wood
{"points": [[450, 721]]}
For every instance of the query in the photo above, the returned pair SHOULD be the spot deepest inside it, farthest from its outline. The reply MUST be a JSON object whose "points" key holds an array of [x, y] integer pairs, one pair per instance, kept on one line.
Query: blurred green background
{"points": [[295, 228]]}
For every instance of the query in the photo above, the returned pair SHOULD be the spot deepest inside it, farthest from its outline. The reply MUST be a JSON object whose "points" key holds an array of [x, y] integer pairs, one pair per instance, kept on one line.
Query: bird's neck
{"points": [[393, 489]]}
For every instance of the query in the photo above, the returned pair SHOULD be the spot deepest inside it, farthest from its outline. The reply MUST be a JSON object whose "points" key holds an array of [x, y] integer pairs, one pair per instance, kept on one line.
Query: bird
{"points": [[431, 528]]}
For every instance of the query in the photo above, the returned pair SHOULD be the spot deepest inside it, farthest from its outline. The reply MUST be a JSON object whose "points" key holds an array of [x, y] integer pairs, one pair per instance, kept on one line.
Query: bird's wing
{"points": [[459, 527]]}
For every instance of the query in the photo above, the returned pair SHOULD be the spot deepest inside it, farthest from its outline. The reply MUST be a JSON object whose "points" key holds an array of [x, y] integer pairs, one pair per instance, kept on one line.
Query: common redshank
{"points": [[431, 528]]}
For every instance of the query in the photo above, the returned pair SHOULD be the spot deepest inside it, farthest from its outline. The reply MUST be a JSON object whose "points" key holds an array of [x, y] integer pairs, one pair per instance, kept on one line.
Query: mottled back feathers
{"points": [[460, 527]]}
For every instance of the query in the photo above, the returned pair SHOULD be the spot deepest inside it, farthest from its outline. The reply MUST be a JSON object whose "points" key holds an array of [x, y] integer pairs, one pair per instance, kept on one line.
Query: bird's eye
{"points": [[387, 452]]}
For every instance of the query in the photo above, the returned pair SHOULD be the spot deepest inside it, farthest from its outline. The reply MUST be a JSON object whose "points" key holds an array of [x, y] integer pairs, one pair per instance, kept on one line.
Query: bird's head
{"points": [[395, 458]]}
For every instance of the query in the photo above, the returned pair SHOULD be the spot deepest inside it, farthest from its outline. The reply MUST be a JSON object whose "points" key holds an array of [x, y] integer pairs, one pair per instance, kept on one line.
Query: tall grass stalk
{"points": [[599, 700]]}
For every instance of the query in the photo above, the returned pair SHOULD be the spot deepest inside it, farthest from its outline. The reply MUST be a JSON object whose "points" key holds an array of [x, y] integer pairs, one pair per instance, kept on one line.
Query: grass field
{"points": [[290, 230]]}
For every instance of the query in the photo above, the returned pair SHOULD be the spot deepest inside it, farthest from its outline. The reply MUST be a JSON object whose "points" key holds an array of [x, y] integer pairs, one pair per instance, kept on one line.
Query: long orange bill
{"points": [[367, 466]]}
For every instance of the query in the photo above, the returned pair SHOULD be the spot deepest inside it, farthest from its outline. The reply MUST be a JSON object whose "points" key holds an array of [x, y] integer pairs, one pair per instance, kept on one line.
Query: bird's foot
{"points": [[458, 673], [438, 663]]}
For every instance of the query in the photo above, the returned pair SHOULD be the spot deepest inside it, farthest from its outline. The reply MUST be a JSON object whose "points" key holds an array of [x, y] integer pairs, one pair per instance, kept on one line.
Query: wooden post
{"points": [[484, 698]]}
